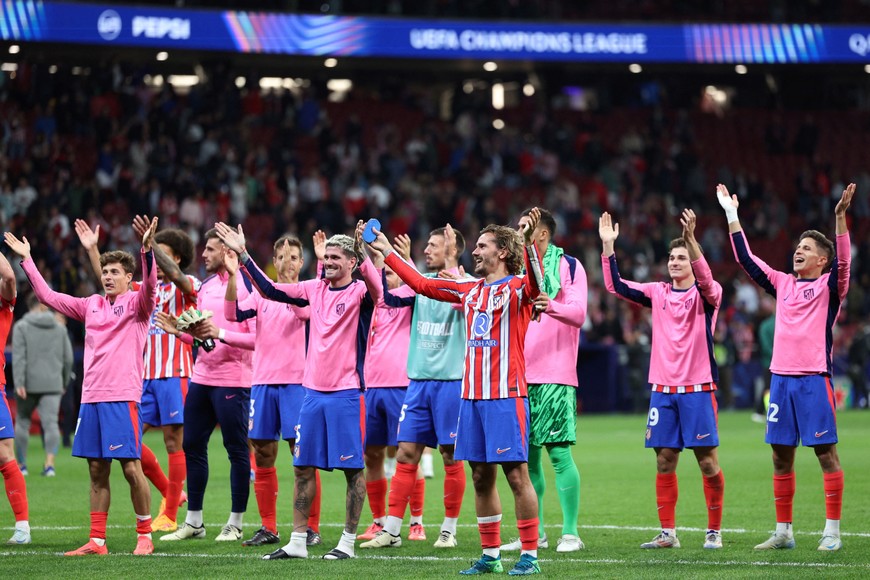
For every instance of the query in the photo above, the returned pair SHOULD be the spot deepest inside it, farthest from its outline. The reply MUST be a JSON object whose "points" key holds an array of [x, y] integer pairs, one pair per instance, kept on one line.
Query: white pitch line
{"points": [[582, 527], [606, 561]]}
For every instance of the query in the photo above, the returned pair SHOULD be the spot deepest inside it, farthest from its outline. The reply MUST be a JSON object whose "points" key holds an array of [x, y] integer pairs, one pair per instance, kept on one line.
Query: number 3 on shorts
{"points": [[402, 414], [653, 417]]}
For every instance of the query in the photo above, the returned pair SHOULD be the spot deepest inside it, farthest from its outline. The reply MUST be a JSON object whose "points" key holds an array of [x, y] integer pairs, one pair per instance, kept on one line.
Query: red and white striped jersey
{"points": [[165, 355], [497, 316]]}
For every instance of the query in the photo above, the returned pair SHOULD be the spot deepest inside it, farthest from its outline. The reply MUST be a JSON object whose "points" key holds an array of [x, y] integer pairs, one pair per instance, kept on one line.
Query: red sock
{"points": [[714, 492], [401, 489], [16, 489], [783, 496], [377, 492], [667, 492], [314, 514], [253, 460], [417, 497], [266, 491], [98, 525], [177, 475], [528, 533], [833, 495], [143, 526], [454, 488], [151, 469], [490, 531]]}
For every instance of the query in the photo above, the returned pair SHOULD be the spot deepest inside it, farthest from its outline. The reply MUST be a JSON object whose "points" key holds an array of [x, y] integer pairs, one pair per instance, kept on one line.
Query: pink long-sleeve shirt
{"points": [[806, 310], [229, 364], [386, 363], [553, 340], [279, 347], [115, 333], [338, 324], [683, 322]]}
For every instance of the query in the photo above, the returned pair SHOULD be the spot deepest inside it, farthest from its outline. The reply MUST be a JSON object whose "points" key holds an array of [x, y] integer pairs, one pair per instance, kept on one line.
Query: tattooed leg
{"points": [[303, 494], [356, 495]]}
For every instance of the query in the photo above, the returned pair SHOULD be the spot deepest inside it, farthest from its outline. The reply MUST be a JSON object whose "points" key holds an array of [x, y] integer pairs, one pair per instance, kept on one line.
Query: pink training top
{"points": [[115, 333], [338, 323], [279, 347], [229, 364], [806, 310], [682, 326], [386, 362], [553, 340]]}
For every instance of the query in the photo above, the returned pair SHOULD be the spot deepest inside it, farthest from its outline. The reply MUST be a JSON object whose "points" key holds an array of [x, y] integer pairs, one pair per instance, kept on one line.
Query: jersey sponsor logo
{"points": [[482, 324], [345, 457], [809, 293], [115, 447], [339, 309], [500, 451], [119, 310], [488, 343], [820, 434], [699, 436]]}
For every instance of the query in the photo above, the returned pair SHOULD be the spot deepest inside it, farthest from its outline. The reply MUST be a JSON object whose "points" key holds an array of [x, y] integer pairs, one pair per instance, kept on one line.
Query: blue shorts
{"points": [[802, 408], [682, 420], [383, 410], [494, 431], [430, 413], [274, 411], [108, 431], [7, 431], [163, 401], [331, 430]]}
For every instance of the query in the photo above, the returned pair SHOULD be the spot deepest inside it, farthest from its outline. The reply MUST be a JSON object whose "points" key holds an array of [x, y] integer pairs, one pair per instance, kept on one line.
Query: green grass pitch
{"points": [[617, 514]]}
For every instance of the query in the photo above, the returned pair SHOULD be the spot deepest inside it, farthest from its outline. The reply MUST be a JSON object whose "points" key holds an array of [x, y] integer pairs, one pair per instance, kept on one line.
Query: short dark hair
{"points": [[508, 239], [460, 239], [179, 242], [825, 245], [547, 220], [32, 301], [676, 243], [211, 234], [289, 239], [118, 257]]}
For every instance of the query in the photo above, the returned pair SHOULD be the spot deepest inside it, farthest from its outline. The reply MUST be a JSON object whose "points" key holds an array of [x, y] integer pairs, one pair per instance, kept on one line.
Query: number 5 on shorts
{"points": [[402, 414]]}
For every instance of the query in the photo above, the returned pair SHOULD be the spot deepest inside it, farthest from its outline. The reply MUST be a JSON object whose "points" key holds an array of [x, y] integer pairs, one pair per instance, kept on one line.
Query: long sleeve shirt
{"points": [[167, 355], [683, 322], [115, 333], [338, 324], [229, 364], [387, 349], [806, 310], [552, 342], [496, 318], [279, 347]]}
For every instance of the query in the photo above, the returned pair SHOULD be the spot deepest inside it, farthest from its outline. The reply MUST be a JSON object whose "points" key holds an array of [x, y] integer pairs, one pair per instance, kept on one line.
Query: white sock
{"points": [[99, 541], [236, 519], [417, 520], [832, 528], [672, 532], [449, 525], [532, 553], [784, 528], [346, 543], [491, 552], [426, 463], [24, 525], [393, 525], [296, 546], [193, 518], [379, 521]]}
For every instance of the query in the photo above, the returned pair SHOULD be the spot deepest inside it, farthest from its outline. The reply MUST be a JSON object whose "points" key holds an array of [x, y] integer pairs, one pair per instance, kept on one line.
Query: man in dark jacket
{"points": [[42, 360]]}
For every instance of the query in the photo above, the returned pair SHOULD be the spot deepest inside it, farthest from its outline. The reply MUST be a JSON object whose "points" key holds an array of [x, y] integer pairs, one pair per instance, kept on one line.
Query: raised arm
{"points": [[7, 280], [234, 310], [843, 261], [167, 264], [710, 290], [534, 269], [68, 305], [608, 231], [730, 204], [90, 239], [370, 274], [146, 297], [570, 308]]}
